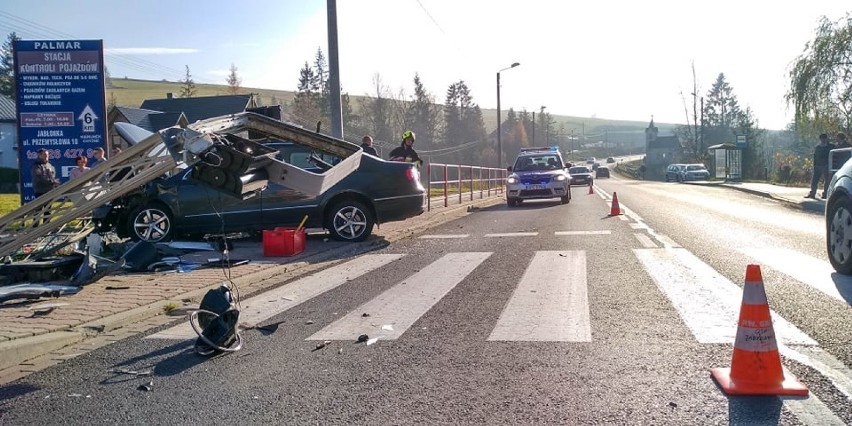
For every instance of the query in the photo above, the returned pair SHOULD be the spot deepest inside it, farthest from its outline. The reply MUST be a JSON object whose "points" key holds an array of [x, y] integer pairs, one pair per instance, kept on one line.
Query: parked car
{"points": [[602, 171], [673, 172], [538, 173], [694, 172], [581, 175], [838, 216], [176, 205]]}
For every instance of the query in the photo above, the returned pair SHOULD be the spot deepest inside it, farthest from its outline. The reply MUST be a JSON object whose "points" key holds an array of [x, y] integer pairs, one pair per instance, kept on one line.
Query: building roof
{"points": [[8, 111], [203, 107], [148, 119]]}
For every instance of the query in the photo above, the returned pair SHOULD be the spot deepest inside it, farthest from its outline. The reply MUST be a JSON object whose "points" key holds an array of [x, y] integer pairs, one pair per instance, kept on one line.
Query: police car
{"points": [[538, 173]]}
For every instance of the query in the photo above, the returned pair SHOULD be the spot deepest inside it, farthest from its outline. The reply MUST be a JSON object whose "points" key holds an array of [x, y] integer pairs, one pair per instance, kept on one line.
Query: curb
{"points": [[20, 350], [816, 207]]}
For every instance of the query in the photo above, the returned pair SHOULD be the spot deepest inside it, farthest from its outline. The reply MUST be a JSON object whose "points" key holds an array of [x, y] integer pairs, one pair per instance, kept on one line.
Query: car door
{"points": [[206, 210]]}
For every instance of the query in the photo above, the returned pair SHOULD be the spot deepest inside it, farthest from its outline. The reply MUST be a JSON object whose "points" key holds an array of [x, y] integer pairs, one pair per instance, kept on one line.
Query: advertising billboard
{"points": [[61, 104]]}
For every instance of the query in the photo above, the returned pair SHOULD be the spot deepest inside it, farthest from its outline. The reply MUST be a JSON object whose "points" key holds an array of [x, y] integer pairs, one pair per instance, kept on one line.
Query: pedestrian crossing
{"points": [[549, 303]]}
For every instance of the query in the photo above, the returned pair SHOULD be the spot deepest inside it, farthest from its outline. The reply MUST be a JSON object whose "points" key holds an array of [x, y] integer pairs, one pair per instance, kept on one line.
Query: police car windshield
{"points": [[530, 163]]}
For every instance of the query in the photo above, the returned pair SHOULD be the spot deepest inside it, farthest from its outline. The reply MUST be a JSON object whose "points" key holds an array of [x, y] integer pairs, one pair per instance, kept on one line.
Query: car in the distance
{"points": [[673, 172], [601, 172], [581, 175], [694, 172], [538, 173], [176, 205], [610, 160]]}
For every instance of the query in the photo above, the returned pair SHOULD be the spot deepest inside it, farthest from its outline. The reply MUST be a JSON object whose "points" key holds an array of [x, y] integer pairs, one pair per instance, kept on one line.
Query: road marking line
{"points": [[811, 271], [645, 240], [444, 236], [708, 303], [403, 304], [274, 302], [513, 234], [835, 371], [811, 411], [561, 233], [638, 225], [550, 304]]}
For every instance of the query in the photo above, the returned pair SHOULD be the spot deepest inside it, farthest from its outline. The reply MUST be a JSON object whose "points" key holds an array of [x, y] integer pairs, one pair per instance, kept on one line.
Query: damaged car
{"points": [[177, 205]]}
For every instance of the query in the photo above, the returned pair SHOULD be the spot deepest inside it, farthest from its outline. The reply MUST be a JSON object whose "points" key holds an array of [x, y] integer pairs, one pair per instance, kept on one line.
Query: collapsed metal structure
{"points": [[224, 153]]}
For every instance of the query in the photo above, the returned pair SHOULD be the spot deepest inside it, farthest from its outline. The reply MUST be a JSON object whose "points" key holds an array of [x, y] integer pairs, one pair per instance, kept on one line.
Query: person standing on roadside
{"points": [[406, 152], [820, 169], [367, 145], [99, 157], [840, 141], [43, 174], [81, 167]]}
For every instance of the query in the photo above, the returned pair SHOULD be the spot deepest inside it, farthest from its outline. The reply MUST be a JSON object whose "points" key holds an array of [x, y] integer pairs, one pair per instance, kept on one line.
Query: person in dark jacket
{"points": [[43, 174], [820, 166], [406, 152], [367, 145]]}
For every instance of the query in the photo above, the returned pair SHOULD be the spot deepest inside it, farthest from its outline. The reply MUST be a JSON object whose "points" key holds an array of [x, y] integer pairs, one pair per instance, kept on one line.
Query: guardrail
{"points": [[462, 180]]}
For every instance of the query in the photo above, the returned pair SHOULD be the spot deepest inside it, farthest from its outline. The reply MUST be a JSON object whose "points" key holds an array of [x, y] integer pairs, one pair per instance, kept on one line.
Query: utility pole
{"points": [[335, 109], [533, 129]]}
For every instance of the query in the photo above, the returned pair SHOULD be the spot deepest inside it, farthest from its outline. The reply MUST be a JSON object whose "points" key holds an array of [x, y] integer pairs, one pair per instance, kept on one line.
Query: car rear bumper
{"points": [[549, 191], [393, 209]]}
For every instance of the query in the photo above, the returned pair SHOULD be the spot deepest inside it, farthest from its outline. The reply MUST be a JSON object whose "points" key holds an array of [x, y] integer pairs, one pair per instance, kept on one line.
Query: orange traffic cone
{"points": [[756, 365], [615, 210], [591, 191]]}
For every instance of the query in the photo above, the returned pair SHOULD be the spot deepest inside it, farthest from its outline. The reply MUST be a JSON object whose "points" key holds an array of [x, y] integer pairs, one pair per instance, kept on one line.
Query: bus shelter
{"points": [[727, 161]]}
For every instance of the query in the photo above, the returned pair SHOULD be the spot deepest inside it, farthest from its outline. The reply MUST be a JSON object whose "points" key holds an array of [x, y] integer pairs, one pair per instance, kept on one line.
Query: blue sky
{"points": [[619, 59]]}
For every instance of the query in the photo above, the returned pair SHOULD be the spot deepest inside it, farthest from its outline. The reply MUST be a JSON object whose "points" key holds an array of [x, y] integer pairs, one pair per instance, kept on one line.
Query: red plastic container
{"points": [[283, 242]]}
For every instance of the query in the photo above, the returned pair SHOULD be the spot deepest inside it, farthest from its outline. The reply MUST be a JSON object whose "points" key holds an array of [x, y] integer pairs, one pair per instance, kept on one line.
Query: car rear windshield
{"points": [[579, 169], [695, 167]]}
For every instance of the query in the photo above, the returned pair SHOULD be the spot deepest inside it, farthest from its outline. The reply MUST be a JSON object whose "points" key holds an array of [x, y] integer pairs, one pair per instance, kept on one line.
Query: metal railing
{"points": [[451, 180]]}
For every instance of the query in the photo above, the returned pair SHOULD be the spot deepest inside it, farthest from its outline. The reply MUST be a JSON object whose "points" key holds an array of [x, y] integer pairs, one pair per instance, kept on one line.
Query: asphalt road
{"points": [[538, 314]]}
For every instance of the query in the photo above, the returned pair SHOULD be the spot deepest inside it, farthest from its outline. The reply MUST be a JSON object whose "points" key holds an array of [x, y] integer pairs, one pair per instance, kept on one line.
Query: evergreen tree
{"points": [[319, 85], [424, 116], [234, 81], [720, 106], [463, 120], [187, 88], [7, 66], [305, 108], [754, 158], [376, 114]]}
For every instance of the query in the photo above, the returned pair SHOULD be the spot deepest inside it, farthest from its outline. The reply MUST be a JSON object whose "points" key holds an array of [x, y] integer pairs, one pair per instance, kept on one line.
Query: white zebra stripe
{"points": [[401, 305], [550, 304]]}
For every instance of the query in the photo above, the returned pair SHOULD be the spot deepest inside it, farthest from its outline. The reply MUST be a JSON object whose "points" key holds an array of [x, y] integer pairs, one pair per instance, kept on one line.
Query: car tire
{"points": [[566, 199], [839, 234], [511, 202], [350, 220], [151, 222]]}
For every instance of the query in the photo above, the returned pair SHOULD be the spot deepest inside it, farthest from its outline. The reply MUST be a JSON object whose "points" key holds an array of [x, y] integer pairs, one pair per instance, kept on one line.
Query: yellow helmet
{"points": [[408, 134]]}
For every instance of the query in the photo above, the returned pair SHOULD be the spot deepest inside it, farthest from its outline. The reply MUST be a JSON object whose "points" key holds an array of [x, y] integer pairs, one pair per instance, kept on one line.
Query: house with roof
{"points": [[660, 151], [8, 133]]}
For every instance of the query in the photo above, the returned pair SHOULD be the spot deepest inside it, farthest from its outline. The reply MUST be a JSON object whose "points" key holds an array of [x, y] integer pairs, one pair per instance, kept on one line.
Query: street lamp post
{"points": [[500, 119]]}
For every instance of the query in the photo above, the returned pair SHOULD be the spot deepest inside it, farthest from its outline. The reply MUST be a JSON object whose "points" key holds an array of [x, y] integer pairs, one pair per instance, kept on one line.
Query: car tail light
{"points": [[412, 174]]}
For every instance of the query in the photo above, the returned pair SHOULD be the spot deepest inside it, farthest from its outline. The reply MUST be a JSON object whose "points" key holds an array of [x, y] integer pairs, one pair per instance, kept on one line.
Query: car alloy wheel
{"points": [[151, 223], [350, 221], [839, 236]]}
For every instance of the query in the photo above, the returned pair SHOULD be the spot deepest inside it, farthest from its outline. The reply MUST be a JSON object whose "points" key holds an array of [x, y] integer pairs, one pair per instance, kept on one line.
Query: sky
{"points": [[618, 59]]}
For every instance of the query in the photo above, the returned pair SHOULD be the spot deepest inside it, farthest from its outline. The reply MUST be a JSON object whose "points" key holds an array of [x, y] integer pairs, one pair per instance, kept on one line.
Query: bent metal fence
{"points": [[447, 181]]}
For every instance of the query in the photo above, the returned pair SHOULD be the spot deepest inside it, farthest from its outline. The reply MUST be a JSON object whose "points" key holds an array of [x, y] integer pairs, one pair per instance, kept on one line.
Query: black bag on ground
{"points": [[218, 318]]}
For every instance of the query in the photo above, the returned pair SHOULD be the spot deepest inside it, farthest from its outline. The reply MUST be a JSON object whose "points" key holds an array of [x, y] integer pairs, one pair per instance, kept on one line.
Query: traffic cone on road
{"points": [[615, 210], [756, 365], [591, 191]]}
